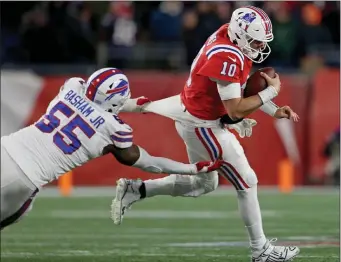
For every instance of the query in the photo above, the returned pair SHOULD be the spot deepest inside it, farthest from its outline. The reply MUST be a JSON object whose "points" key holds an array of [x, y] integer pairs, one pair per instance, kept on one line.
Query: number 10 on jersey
{"points": [[228, 69]]}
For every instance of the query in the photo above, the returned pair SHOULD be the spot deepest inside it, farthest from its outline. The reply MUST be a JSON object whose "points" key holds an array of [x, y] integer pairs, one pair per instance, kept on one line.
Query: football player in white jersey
{"points": [[80, 124]]}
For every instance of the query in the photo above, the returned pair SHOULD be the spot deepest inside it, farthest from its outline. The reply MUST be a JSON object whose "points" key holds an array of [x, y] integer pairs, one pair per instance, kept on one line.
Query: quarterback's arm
{"points": [[232, 90], [238, 107], [138, 157], [226, 72]]}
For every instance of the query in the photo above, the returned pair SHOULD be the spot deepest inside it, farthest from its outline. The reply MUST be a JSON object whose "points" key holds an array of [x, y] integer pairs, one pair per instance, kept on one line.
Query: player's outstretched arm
{"points": [[163, 107], [138, 157], [135, 104]]}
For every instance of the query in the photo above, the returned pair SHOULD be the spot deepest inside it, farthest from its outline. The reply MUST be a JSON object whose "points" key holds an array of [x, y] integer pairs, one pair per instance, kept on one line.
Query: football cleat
{"points": [[271, 253], [127, 193]]}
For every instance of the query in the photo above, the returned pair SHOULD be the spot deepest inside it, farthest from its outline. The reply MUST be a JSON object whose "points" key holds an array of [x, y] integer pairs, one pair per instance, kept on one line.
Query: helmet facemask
{"points": [[256, 55], [114, 106]]}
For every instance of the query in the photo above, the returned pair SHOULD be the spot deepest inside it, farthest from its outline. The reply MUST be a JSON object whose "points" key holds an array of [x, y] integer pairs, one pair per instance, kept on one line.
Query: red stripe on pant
{"points": [[238, 176]]}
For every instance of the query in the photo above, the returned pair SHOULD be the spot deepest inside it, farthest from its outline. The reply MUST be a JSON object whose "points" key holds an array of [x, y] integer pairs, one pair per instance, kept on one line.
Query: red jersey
{"points": [[219, 58]]}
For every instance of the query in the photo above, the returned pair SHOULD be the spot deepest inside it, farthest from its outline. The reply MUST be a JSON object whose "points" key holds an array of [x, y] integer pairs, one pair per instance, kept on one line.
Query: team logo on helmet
{"points": [[121, 89], [248, 19]]}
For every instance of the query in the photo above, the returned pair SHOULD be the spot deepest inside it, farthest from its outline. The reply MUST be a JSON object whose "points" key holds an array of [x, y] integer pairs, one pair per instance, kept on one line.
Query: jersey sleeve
{"points": [[122, 139], [121, 134], [223, 66]]}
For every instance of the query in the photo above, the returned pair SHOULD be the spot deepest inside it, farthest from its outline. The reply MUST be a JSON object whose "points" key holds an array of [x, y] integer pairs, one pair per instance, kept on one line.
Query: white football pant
{"points": [[17, 191], [205, 140]]}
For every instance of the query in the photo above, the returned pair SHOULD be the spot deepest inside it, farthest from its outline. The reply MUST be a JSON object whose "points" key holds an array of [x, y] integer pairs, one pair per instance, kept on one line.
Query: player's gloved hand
{"points": [[135, 104], [244, 128], [208, 166]]}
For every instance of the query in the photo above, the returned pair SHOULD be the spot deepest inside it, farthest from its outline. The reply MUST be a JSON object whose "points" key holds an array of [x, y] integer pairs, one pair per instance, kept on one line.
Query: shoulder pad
{"points": [[73, 83], [228, 52]]}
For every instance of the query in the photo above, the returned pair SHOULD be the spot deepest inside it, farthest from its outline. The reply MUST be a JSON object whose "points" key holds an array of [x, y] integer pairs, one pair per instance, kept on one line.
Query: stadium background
{"points": [[43, 43]]}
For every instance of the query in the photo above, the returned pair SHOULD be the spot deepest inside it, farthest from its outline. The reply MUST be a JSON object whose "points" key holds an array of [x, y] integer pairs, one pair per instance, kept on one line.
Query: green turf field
{"points": [[168, 229]]}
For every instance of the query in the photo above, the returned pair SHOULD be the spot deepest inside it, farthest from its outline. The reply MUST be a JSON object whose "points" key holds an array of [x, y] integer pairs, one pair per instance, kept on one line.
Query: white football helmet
{"points": [[109, 88], [249, 24]]}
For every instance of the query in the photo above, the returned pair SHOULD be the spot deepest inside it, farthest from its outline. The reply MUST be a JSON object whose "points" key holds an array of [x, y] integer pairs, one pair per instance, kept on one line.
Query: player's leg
{"points": [[17, 191], [130, 191], [238, 171], [184, 185]]}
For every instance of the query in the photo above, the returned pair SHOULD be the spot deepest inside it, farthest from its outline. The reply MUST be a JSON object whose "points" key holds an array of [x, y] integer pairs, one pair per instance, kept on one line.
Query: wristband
{"points": [[268, 94], [269, 108]]}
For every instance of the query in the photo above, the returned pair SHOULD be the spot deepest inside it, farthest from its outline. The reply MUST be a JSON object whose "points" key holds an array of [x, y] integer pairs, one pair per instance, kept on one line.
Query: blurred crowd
{"points": [[156, 34]]}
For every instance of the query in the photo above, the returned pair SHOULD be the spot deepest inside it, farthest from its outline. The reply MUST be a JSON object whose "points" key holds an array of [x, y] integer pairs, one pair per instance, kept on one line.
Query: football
{"points": [[256, 82]]}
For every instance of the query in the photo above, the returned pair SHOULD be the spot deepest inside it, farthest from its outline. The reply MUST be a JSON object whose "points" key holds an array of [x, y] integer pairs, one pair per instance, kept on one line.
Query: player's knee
{"points": [[195, 186], [245, 180], [251, 179], [207, 183], [211, 184]]}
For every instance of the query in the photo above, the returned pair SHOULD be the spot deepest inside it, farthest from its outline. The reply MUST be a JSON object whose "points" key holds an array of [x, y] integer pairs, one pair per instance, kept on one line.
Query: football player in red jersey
{"points": [[211, 99]]}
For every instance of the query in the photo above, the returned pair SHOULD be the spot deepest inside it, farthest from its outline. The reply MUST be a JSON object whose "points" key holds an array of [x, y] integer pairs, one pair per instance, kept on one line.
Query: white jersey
{"points": [[73, 131]]}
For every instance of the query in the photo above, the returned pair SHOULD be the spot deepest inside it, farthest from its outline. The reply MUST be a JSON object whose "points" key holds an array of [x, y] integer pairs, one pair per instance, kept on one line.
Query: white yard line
{"points": [[149, 214]]}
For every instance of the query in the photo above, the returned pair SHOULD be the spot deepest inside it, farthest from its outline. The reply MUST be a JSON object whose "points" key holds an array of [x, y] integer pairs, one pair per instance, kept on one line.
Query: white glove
{"points": [[244, 128], [135, 104]]}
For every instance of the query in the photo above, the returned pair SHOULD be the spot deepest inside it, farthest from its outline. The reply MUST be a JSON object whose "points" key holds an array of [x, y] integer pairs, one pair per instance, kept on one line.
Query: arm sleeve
{"points": [[224, 68], [158, 165], [229, 90], [269, 108]]}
